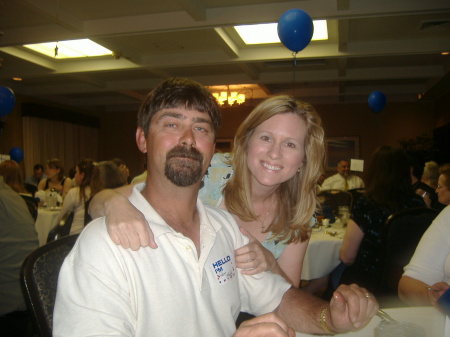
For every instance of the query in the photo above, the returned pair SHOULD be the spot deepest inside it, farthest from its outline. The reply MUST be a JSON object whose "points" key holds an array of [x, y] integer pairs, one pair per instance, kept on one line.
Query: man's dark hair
{"points": [[178, 93], [38, 167]]}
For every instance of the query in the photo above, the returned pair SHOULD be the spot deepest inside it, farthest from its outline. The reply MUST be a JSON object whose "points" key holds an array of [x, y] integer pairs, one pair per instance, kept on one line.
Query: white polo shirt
{"points": [[104, 289]]}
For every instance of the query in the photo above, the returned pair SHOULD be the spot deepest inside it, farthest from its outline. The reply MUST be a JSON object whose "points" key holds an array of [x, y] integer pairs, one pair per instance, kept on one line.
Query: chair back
{"points": [[39, 277], [401, 235], [62, 228], [32, 205], [335, 198]]}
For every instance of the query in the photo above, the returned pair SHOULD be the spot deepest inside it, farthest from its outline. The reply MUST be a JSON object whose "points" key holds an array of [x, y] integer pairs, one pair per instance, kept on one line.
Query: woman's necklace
{"points": [[263, 226]]}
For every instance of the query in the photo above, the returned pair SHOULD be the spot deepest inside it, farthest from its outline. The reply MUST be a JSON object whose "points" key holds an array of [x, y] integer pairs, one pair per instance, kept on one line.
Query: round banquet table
{"points": [[434, 322], [322, 254], [45, 221]]}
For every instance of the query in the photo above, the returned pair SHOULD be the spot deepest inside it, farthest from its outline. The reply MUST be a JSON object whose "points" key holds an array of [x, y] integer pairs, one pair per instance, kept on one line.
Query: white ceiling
{"points": [[389, 45]]}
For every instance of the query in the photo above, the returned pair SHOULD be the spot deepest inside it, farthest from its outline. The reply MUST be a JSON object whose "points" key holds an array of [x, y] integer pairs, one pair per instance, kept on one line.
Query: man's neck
{"points": [[176, 205]]}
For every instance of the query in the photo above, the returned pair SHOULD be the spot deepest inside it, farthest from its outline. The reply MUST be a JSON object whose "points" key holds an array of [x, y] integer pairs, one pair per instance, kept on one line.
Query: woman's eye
{"points": [[292, 145], [265, 138]]}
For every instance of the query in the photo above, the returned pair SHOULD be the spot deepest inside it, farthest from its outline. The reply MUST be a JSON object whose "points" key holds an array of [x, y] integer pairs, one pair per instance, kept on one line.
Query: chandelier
{"points": [[229, 97]]}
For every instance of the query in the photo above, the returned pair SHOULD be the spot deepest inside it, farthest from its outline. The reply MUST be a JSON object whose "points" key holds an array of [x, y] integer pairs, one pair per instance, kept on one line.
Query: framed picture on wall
{"points": [[338, 148], [224, 144]]}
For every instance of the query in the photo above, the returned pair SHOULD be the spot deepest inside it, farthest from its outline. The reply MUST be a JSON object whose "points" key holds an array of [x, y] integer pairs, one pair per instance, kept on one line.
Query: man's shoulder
{"points": [[331, 178]]}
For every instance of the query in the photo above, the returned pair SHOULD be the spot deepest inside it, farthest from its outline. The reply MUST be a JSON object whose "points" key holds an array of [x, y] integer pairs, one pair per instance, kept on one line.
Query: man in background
{"points": [[342, 180], [31, 182]]}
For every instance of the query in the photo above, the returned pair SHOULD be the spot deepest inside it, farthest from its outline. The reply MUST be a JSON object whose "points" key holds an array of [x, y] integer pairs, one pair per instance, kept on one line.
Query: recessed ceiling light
{"points": [[445, 53], [17, 79], [70, 49], [267, 32]]}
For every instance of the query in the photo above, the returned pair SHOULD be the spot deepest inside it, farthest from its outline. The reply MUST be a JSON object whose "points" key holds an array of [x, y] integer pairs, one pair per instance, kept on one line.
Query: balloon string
{"points": [[294, 55]]}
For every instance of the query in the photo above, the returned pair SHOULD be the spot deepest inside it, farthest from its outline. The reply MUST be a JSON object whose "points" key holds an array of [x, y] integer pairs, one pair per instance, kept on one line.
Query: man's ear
{"points": [[141, 141]]}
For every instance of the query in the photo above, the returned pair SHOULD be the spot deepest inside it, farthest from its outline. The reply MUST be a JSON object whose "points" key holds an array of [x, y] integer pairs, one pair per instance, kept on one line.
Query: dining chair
{"points": [[335, 198], [39, 277], [62, 228], [32, 205], [400, 237]]}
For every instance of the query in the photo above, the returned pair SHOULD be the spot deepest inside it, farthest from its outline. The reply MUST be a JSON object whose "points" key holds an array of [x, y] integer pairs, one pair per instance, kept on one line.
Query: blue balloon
{"points": [[7, 101], [376, 101], [16, 154], [295, 29]]}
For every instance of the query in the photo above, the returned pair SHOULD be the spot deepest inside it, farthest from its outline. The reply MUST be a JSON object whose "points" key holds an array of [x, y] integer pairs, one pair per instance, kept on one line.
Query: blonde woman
{"points": [[268, 186]]}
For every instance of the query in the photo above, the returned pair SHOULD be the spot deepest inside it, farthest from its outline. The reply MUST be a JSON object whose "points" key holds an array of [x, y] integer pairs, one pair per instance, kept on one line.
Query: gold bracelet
{"points": [[323, 321]]}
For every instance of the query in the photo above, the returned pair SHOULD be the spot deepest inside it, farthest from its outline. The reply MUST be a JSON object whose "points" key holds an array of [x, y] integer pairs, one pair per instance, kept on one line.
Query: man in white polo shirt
{"points": [[189, 286], [343, 179]]}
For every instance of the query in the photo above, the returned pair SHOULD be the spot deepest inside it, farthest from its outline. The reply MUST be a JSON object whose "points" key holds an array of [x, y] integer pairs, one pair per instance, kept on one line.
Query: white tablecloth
{"points": [[322, 254], [45, 221], [427, 317]]}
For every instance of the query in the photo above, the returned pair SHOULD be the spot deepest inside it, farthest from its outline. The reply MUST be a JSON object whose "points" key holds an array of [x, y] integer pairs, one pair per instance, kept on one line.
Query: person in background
{"points": [[109, 175], [112, 289], [429, 183], [342, 180], [122, 167], [427, 276], [268, 186], [443, 188], [54, 171], [18, 238], [31, 182], [12, 176], [388, 190], [77, 196]]}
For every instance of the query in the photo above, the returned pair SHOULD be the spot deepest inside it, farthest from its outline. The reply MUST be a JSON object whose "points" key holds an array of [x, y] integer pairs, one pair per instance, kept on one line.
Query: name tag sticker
{"points": [[224, 269]]}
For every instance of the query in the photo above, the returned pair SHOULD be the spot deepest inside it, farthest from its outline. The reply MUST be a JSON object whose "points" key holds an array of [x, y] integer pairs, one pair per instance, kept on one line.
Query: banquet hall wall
{"points": [[396, 121]]}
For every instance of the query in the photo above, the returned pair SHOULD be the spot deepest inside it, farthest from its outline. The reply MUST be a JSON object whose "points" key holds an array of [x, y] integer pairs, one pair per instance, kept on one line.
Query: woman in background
{"points": [[427, 275], [54, 170], [12, 176], [388, 190], [77, 196]]}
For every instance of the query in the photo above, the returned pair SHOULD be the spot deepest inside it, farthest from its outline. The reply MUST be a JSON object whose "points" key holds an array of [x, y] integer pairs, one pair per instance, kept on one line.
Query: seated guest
{"points": [[12, 176], [54, 171], [427, 275], [388, 190], [429, 184], [109, 175], [31, 182], [18, 240], [118, 291], [342, 180], [443, 188], [122, 167], [77, 196]]}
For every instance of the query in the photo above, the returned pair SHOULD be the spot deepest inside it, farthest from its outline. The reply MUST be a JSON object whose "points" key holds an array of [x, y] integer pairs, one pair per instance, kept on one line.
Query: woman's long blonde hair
{"points": [[297, 200]]}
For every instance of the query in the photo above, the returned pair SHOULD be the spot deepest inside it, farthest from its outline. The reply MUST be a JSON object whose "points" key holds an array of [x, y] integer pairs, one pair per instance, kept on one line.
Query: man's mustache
{"points": [[181, 151]]}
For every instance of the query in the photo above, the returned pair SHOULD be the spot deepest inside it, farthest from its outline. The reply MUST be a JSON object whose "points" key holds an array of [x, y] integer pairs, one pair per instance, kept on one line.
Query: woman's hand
{"points": [[253, 258], [127, 226], [436, 291]]}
